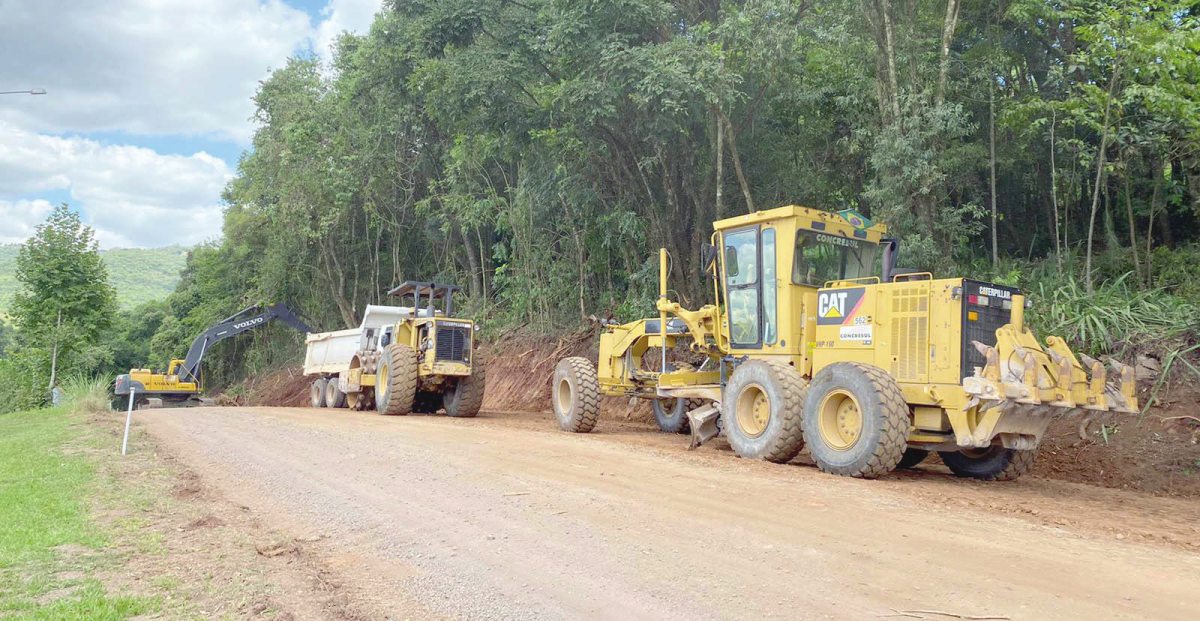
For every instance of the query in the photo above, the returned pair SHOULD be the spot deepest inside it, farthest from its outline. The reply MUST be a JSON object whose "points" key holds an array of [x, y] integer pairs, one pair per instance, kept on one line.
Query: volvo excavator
{"points": [[183, 383]]}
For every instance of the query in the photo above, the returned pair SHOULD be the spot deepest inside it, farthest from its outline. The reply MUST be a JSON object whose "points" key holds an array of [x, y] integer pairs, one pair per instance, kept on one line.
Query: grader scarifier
{"points": [[817, 339]]}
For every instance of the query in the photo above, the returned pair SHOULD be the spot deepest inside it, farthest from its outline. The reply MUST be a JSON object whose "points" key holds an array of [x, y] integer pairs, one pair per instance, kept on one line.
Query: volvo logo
{"points": [[248, 323]]}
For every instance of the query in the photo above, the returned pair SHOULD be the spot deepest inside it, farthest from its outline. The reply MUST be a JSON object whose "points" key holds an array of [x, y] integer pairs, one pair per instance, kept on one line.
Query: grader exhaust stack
{"points": [[808, 342]]}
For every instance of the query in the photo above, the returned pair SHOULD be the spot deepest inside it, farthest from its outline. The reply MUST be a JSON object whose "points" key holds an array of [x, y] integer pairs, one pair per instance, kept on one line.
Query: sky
{"points": [[147, 106]]}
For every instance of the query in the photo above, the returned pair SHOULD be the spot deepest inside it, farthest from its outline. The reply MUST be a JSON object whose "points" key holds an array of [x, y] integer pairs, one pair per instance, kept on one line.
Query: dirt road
{"points": [[503, 518]]}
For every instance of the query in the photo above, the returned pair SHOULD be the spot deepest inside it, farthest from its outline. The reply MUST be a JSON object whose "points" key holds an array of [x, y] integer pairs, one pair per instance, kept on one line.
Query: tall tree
{"points": [[65, 302]]}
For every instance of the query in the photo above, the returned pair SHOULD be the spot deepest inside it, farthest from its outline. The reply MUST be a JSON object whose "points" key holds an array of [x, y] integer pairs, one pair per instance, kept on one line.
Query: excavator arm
{"points": [[242, 321], [187, 371]]}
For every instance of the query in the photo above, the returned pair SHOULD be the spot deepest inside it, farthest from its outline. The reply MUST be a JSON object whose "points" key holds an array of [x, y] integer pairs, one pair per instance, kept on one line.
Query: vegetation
{"points": [[539, 152], [50, 548], [140, 275]]}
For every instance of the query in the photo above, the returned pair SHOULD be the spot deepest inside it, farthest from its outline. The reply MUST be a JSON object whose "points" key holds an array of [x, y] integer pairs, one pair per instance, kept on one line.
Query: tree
{"points": [[65, 302]]}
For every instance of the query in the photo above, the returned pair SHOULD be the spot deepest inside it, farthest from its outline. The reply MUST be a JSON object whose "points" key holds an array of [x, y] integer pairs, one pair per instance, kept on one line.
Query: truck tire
{"points": [[856, 420], [912, 458], [464, 399], [762, 410], [396, 381], [334, 397], [994, 463], [317, 393], [575, 395], [671, 414]]}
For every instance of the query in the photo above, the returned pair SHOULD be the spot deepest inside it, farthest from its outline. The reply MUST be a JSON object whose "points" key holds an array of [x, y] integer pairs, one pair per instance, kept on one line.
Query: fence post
{"points": [[128, 419]]}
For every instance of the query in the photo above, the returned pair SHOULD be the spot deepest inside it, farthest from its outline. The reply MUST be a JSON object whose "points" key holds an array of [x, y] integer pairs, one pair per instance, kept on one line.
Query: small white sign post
{"points": [[128, 419]]}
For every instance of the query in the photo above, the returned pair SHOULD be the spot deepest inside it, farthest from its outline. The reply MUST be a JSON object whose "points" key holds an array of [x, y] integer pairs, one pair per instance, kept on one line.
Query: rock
{"points": [[1147, 368]]}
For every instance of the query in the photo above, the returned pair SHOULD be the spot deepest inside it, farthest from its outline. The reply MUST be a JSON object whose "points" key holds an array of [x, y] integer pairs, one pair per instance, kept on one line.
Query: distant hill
{"points": [[139, 274]]}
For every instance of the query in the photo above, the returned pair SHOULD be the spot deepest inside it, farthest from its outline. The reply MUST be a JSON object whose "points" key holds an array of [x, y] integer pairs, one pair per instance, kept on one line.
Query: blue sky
{"points": [[147, 106]]}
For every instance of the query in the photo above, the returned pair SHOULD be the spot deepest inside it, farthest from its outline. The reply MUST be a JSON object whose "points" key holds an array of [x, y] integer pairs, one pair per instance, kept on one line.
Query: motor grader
{"points": [[816, 338]]}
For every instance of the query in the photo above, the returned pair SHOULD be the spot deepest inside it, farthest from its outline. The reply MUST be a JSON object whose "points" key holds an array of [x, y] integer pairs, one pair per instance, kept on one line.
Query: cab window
{"points": [[741, 283], [821, 257], [769, 286]]}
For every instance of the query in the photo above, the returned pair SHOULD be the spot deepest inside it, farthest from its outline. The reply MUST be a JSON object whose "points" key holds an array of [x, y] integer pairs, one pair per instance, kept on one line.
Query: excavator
{"points": [[183, 383]]}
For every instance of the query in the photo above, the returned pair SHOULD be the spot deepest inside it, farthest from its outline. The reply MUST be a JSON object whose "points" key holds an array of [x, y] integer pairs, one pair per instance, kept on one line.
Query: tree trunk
{"points": [[1112, 86], [992, 163], [54, 352], [720, 165], [948, 27], [737, 161], [1156, 176], [890, 56], [1137, 265], [1054, 193]]}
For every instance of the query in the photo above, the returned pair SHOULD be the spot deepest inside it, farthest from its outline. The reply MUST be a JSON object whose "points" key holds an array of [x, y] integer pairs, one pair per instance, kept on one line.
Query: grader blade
{"points": [[704, 424]]}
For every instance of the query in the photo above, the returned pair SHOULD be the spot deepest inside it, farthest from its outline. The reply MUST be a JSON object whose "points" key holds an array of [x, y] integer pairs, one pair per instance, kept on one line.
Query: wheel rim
{"points": [[841, 420], [352, 400], [381, 382], [562, 396], [753, 411], [978, 453], [331, 394], [668, 407]]}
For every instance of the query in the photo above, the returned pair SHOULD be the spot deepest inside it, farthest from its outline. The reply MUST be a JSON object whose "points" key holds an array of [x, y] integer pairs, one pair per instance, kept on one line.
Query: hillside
{"points": [[139, 274]]}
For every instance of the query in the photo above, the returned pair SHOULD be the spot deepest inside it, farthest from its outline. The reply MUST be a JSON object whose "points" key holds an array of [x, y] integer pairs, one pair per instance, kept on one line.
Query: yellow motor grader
{"points": [[817, 339]]}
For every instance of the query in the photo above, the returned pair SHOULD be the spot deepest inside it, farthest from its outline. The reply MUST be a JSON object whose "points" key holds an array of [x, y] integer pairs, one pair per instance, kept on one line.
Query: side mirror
{"points": [[708, 257], [731, 262]]}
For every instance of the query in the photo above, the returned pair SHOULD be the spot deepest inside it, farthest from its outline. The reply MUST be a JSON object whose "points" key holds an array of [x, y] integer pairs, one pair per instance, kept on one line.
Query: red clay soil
{"points": [[1155, 456]]}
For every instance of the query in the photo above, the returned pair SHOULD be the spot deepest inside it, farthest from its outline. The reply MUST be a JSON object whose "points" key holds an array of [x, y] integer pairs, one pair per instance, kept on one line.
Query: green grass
{"points": [[49, 546]]}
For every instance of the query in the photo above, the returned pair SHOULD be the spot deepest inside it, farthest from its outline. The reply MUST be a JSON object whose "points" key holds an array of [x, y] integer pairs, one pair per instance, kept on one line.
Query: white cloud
{"points": [[145, 68], [131, 195], [151, 66], [18, 219]]}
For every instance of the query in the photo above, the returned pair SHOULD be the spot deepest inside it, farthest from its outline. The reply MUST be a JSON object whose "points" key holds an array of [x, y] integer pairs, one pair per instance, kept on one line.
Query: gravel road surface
{"points": [[502, 517]]}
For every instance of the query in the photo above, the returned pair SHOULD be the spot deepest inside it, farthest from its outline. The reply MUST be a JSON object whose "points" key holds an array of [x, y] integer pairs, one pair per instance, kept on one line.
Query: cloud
{"points": [[19, 218], [144, 66], [149, 71], [132, 196]]}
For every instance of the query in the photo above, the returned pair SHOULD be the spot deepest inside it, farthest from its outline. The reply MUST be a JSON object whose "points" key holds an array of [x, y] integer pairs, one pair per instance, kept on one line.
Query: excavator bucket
{"points": [[704, 423], [1023, 386]]}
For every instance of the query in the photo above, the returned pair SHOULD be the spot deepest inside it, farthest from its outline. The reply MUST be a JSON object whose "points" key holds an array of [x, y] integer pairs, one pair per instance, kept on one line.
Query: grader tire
{"points": [[396, 382], [575, 395], [912, 458], [994, 463], [466, 398], [761, 414], [334, 397], [671, 414], [856, 420], [317, 393]]}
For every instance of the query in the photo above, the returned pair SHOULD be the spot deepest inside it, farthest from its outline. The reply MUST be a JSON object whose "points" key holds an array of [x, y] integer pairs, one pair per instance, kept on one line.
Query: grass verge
{"points": [[50, 547]]}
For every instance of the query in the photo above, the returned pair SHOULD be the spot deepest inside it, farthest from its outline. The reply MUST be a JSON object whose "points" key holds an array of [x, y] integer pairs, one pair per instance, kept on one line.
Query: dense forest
{"points": [[539, 152]]}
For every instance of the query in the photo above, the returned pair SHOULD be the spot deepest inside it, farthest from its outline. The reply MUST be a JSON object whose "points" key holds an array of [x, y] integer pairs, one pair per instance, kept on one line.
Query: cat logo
{"points": [[832, 305], [837, 306]]}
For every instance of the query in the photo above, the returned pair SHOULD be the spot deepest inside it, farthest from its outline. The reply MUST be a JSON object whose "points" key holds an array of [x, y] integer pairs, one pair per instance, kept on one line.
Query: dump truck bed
{"points": [[331, 352]]}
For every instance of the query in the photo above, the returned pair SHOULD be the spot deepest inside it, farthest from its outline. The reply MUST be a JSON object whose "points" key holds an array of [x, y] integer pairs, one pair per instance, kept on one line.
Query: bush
{"points": [[82, 393], [1114, 319]]}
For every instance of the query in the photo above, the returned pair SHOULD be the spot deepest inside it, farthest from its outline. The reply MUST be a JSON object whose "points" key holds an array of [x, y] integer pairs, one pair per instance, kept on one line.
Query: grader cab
{"points": [[817, 339]]}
